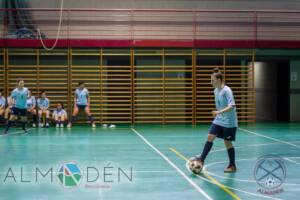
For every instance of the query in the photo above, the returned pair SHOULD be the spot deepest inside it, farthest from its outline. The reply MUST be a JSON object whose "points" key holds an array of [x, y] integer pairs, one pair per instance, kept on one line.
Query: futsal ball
{"points": [[195, 166], [112, 126], [104, 126]]}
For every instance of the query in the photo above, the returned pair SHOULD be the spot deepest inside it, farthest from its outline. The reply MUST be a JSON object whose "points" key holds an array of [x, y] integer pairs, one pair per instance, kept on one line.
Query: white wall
{"points": [[163, 25], [167, 4]]}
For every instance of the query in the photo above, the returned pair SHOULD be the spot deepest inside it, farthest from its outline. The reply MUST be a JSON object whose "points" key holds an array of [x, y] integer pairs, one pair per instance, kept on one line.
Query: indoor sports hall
{"points": [[149, 99]]}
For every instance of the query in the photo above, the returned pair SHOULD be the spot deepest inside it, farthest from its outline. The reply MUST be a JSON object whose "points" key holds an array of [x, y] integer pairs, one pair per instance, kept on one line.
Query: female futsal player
{"points": [[81, 102], [19, 97], [2, 106], [225, 121], [59, 115], [43, 106]]}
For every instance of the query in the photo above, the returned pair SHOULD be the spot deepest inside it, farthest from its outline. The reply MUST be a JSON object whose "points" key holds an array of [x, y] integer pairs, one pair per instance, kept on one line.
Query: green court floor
{"points": [[143, 162]]}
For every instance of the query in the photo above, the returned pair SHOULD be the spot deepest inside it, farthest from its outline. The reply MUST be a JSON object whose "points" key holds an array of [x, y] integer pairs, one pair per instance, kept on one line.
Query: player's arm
{"points": [[47, 104], [230, 106], [13, 97]]}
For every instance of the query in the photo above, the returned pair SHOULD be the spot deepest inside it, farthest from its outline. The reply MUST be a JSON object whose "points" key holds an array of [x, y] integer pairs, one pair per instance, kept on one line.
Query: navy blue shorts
{"points": [[223, 132], [81, 107], [17, 111]]}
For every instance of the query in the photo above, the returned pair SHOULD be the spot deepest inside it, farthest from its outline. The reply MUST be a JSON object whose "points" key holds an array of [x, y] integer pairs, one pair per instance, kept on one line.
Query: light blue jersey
{"points": [[20, 97], [81, 96], [43, 103], [223, 98], [59, 112], [2, 101], [31, 102]]}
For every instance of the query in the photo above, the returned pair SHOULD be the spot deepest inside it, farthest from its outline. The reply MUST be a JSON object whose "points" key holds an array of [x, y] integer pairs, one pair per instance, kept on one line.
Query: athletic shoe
{"points": [[230, 169]]}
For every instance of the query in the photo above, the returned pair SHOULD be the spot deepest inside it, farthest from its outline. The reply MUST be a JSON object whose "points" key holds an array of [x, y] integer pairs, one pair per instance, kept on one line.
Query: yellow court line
{"points": [[216, 182]]}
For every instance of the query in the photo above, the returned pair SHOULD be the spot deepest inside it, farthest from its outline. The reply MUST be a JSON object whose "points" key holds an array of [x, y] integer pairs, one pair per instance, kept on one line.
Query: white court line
{"points": [[173, 165], [239, 190], [232, 188], [242, 180], [292, 161], [274, 139], [16, 133], [251, 145]]}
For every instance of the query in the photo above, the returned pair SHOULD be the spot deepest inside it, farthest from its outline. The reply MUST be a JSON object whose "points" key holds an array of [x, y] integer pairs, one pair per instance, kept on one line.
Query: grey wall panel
{"points": [[265, 86], [295, 90]]}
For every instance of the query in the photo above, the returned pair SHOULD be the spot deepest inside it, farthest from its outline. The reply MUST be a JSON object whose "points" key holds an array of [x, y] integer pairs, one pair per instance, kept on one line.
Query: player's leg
{"points": [[23, 113], [90, 117], [40, 114], [57, 121], [196, 163], [73, 118], [231, 155], [47, 115], [7, 113], [11, 120], [214, 131], [207, 147], [63, 118], [34, 117], [2, 110], [229, 133]]}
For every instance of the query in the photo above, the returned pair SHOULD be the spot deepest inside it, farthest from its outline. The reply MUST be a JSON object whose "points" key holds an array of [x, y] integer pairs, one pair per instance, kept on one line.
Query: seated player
{"points": [[59, 115], [2, 107], [8, 109], [43, 107], [31, 107]]}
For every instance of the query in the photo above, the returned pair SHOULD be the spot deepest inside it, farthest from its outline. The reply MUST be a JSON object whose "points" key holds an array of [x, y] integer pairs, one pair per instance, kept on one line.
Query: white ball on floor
{"points": [[195, 166], [104, 126], [112, 126]]}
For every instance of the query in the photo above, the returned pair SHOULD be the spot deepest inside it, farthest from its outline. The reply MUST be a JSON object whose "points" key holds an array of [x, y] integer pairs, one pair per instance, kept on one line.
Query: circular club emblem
{"points": [[270, 172]]}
